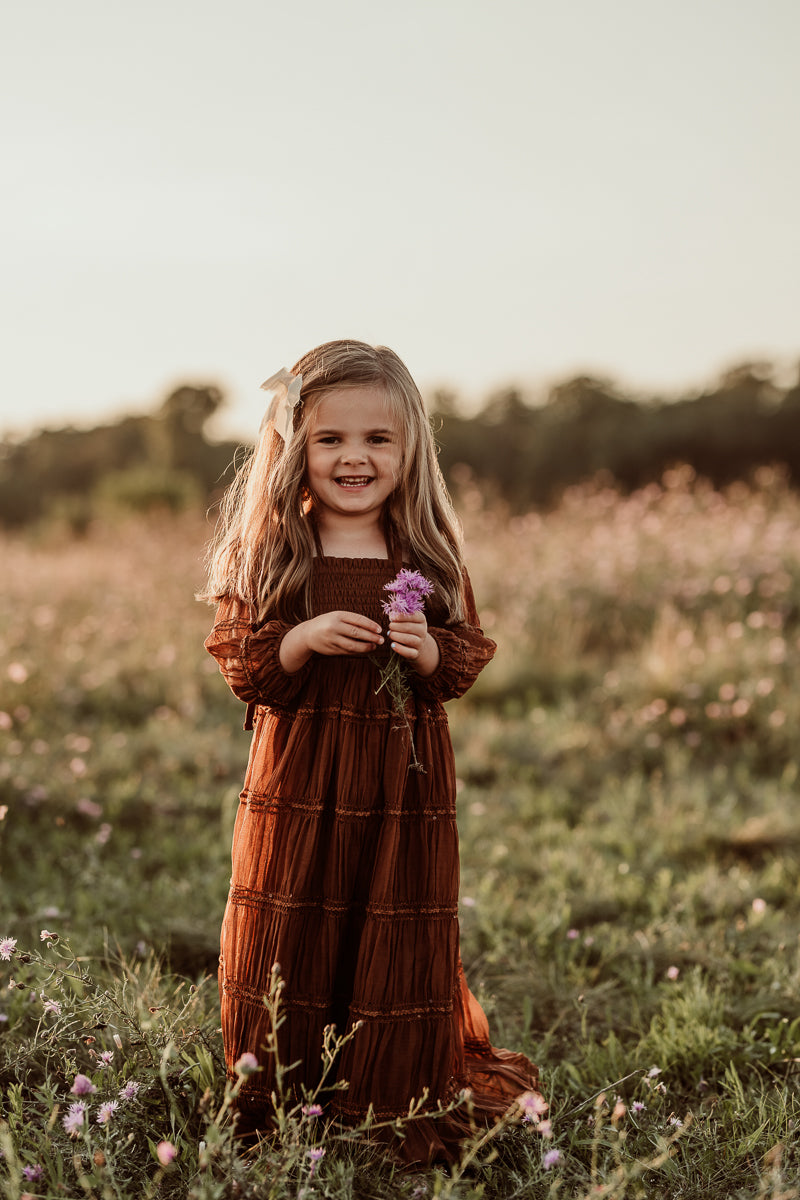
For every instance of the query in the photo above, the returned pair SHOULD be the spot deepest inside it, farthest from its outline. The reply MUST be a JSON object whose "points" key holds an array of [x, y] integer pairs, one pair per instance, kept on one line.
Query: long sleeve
{"points": [[249, 658], [463, 653]]}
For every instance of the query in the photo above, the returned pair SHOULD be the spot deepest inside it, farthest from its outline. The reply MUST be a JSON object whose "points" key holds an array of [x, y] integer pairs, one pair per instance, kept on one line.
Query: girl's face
{"points": [[353, 453]]}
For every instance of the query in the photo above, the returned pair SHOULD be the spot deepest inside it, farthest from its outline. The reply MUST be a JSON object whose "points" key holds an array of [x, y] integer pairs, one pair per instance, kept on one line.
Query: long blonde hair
{"points": [[263, 548]]}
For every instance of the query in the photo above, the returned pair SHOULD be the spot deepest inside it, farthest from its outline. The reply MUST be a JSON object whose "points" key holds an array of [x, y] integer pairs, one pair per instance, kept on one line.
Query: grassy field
{"points": [[630, 884]]}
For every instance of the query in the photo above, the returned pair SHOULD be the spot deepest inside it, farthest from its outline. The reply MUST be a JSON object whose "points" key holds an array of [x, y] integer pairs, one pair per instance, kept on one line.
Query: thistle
{"points": [[407, 596]]}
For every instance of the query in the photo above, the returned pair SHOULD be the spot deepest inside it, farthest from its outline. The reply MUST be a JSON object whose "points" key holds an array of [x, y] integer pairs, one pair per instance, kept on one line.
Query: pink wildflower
{"points": [[551, 1158], [82, 1086], [33, 1173], [105, 1058], [47, 936], [52, 1008], [7, 947], [166, 1153], [247, 1064], [130, 1090], [73, 1121], [106, 1111], [532, 1104], [312, 1110]]}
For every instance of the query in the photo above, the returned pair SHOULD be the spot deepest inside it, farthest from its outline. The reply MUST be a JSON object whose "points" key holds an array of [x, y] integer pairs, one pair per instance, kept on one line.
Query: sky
{"points": [[507, 193]]}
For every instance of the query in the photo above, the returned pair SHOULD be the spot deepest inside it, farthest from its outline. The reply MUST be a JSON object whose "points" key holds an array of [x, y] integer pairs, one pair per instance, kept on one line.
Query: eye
{"points": [[379, 439], [328, 439]]}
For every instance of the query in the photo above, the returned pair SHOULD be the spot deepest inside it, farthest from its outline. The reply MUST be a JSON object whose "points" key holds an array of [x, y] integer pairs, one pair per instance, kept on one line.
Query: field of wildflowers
{"points": [[630, 881]]}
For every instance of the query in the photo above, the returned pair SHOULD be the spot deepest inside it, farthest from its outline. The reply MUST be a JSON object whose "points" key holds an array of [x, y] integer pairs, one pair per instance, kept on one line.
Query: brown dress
{"points": [[345, 872]]}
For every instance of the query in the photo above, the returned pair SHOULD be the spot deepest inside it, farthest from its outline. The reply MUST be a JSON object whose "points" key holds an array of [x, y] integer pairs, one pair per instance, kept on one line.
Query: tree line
{"points": [[525, 453], [530, 454]]}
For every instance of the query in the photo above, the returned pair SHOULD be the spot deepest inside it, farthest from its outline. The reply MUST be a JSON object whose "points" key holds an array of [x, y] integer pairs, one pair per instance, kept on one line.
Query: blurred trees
{"points": [[586, 427], [525, 454], [159, 460]]}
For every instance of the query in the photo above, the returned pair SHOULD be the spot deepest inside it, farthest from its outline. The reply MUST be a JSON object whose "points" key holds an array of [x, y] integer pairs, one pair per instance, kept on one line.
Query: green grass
{"points": [[630, 881]]}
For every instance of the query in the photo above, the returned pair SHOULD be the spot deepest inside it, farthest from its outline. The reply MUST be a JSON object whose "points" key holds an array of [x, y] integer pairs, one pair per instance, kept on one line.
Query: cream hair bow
{"points": [[285, 389]]}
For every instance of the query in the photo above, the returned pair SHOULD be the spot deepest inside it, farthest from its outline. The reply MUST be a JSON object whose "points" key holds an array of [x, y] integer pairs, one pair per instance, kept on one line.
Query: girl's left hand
{"points": [[409, 637]]}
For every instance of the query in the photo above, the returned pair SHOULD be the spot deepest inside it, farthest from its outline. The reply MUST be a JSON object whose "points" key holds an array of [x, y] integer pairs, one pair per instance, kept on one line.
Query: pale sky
{"points": [[504, 192]]}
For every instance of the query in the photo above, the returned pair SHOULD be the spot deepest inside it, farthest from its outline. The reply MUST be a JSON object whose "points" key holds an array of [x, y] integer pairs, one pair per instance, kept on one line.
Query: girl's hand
{"points": [[330, 633], [409, 637], [342, 633]]}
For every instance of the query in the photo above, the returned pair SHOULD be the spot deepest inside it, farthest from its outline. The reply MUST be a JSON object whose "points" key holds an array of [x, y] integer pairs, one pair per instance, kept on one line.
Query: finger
{"points": [[359, 627], [407, 649], [406, 638], [402, 629], [358, 634], [410, 652], [361, 639]]}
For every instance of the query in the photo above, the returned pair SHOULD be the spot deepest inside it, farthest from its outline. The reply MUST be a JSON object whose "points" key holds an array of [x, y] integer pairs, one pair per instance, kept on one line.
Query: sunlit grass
{"points": [[630, 883]]}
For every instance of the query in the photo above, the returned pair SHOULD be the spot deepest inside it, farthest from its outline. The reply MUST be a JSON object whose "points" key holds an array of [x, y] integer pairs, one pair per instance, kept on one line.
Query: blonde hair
{"points": [[265, 541]]}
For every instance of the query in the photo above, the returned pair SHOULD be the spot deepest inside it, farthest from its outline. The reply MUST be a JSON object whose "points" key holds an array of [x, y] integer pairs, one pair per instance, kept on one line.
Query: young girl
{"points": [[345, 861]]}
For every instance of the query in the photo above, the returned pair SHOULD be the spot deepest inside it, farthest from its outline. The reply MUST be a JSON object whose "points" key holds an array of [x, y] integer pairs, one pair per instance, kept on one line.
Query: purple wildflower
{"points": [[7, 947], [638, 1107], [33, 1173], [82, 1086], [105, 1058], [51, 1007], [106, 1111], [312, 1110], [398, 606], [410, 581], [315, 1154], [130, 1090], [408, 590], [73, 1121], [551, 1158]]}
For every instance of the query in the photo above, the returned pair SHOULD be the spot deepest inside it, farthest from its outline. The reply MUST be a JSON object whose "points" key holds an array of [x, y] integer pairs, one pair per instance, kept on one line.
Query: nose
{"points": [[354, 454]]}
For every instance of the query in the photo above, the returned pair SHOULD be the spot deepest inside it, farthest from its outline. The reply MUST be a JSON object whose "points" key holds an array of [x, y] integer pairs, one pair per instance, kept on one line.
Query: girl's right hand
{"points": [[330, 633]]}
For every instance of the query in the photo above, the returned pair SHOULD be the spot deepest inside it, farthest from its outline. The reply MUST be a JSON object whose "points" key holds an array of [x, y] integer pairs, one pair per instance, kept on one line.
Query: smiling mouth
{"points": [[353, 481]]}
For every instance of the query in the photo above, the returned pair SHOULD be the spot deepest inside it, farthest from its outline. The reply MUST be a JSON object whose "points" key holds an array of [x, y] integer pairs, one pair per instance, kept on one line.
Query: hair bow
{"points": [[285, 389]]}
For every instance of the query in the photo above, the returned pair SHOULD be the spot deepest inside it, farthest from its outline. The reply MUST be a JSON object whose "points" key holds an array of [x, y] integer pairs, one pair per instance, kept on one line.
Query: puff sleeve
{"points": [[248, 656], [463, 653]]}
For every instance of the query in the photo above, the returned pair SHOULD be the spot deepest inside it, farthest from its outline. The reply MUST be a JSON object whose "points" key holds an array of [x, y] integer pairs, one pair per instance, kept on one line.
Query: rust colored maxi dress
{"points": [[346, 873]]}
